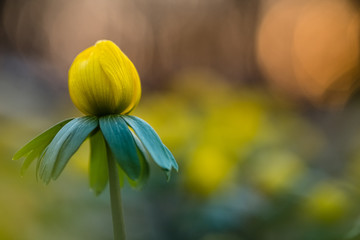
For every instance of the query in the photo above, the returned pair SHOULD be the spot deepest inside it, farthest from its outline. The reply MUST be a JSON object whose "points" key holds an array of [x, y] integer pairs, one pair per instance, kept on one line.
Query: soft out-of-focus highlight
{"points": [[310, 48], [257, 99]]}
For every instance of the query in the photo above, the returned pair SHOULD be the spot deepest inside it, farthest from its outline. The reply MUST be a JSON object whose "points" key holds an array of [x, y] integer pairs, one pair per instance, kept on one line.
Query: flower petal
{"points": [[151, 141], [145, 170], [102, 80], [41, 141], [119, 69], [36, 147], [64, 145], [98, 167], [121, 144]]}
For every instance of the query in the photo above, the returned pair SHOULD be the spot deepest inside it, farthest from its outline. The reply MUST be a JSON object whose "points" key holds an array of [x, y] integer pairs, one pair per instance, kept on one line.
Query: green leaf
{"points": [[151, 141], [122, 175], [66, 142], [29, 159], [172, 159], [98, 167], [39, 161], [355, 231], [145, 170], [41, 141], [121, 144], [35, 147]]}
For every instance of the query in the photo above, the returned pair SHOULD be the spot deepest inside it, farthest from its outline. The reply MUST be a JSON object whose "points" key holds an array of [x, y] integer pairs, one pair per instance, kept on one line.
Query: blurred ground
{"points": [[258, 101]]}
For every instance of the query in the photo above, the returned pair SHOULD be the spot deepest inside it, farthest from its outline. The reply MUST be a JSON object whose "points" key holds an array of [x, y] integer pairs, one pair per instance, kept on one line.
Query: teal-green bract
{"points": [[128, 139]]}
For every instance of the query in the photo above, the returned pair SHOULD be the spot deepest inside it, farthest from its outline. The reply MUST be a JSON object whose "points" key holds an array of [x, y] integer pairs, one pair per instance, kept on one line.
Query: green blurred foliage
{"points": [[257, 160], [252, 166]]}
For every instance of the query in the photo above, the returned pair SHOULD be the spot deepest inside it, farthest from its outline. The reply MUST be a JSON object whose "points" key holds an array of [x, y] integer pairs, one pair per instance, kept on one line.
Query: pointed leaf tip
{"points": [[152, 143], [174, 164], [34, 149], [40, 142]]}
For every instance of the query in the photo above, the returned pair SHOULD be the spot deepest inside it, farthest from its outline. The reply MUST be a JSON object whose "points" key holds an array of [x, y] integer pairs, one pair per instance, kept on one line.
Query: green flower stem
{"points": [[115, 198]]}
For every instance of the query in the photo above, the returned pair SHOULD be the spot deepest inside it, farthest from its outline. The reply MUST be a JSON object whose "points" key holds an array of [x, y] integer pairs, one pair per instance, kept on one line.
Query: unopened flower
{"points": [[104, 85], [102, 80]]}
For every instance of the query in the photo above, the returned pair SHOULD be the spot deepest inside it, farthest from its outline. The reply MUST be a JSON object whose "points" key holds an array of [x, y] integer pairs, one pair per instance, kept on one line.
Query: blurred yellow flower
{"points": [[327, 203], [102, 80], [277, 170], [209, 167], [166, 111]]}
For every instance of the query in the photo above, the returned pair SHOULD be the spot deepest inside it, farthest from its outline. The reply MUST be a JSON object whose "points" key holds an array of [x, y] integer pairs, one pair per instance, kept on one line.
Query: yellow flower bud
{"points": [[102, 80]]}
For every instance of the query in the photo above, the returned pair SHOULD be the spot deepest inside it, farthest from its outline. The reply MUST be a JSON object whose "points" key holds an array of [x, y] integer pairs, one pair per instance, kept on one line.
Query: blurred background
{"points": [[257, 99]]}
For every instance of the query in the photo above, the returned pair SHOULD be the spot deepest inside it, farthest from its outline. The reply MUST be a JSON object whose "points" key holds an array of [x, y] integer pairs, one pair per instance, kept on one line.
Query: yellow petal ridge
{"points": [[102, 80]]}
